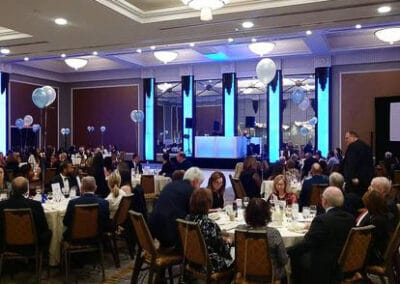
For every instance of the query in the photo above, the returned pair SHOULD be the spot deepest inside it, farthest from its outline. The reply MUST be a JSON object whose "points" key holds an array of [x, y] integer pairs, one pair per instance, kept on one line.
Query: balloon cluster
{"points": [[266, 70], [102, 129], [24, 122], [44, 96], [65, 131], [304, 131], [137, 115], [90, 129]]}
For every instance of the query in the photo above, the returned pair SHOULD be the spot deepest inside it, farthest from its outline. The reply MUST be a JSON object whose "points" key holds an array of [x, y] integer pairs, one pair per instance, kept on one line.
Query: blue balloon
{"points": [[67, 131], [298, 96], [35, 127], [313, 121], [304, 131], [19, 123], [40, 98]]}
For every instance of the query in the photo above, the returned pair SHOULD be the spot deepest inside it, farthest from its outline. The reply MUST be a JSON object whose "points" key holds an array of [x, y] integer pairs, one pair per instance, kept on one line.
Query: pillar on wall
{"points": [[229, 103], [322, 109], [188, 114], [4, 83], [149, 118], [274, 119]]}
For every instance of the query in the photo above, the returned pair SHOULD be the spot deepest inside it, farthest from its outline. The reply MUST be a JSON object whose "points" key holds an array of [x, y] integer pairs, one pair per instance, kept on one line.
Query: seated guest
{"points": [[5, 185], [19, 192], [336, 179], [292, 174], [377, 215], [314, 260], [182, 163], [167, 169], [383, 186], [317, 178], [216, 184], [218, 247], [177, 175], [125, 174], [308, 162], [65, 177], [88, 196], [250, 178], [108, 166], [116, 193], [172, 204], [97, 171], [281, 190], [53, 162], [257, 216], [333, 161], [135, 164]]}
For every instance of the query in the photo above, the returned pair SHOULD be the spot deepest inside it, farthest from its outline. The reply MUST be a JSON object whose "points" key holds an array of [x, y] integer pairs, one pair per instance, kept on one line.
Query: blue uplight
{"points": [[323, 117], [149, 117], [220, 56], [3, 117], [188, 113], [274, 120], [229, 109]]}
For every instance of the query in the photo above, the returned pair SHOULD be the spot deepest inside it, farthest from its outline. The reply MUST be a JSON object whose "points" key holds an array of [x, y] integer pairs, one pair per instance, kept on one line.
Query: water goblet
{"points": [[313, 211], [306, 212]]}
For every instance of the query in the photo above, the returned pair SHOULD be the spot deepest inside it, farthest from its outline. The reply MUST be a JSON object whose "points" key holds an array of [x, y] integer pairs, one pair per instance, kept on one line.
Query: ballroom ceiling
{"points": [[116, 29]]}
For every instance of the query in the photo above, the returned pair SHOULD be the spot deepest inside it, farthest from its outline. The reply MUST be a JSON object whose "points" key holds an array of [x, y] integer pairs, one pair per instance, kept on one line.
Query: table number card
{"points": [[56, 188]]}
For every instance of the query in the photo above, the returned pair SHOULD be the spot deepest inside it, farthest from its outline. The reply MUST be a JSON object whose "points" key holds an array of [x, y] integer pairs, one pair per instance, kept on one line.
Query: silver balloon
{"points": [[266, 70], [62, 131], [28, 120], [51, 93], [102, 129], [40, 98], [35, 128], [137, 115]]}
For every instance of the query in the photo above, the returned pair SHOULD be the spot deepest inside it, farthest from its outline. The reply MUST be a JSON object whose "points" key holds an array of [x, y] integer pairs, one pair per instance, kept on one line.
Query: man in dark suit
{"points": [[65, 178], [317, 178], [182, 163], [173, 203], [19, 189], [308, 162], [135, 164], [358, 165], [314, 260], [88, 197]]}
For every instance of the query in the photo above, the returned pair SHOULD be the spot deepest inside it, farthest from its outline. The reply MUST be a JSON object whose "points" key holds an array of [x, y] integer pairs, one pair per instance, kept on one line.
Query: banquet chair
{"points": [[157, 259], [354, 254], [10, 174], [196, 260], [147, 183], [389, 267], [20, 240], [396, 177], [315, 196], [252, 258], [118, 229], [49, 173], [84, 238], [237, 188]]}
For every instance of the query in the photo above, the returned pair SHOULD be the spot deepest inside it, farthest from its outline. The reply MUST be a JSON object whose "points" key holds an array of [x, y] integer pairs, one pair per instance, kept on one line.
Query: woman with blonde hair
{"points": [[116, 193], [280, 190]]}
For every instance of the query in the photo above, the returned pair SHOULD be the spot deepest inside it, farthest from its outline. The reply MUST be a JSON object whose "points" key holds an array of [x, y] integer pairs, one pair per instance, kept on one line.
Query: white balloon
{"points": [[305, 104], [51, 93], [28, 120], [266, 70]]}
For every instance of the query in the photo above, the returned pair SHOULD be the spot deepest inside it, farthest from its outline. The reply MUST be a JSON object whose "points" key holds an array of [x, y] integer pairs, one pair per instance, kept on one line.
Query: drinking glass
{"points": [[246, 201], [306, 213], [50, 196], [313, 211], [288, 211]]}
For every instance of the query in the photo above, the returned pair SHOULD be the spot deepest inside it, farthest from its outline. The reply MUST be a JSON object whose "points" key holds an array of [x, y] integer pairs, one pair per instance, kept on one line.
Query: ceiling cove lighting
{"points": [[4, 51], [26, 58], [261, 48], [384, 9], [206, 7], [95, 53], [390, 35], [61, 21], [230, 39], [165, 56], [247, 25], [358, 26], [76, 63]]}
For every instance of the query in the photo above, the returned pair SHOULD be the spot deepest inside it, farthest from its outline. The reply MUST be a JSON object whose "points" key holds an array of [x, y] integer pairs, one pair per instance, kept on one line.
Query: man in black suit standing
{"points": [[314, 260], [19, 189], [173, 203], [88, 197], [65, 178], [358, 165]]}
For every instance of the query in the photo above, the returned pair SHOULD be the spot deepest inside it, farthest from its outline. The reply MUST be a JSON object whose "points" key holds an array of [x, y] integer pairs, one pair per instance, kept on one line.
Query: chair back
{"points": [[355, 250], [238, 170], [194, 247], [19, 228], [49, 173], [123, 210], [316, 191], [85, 222], [147, 182], [396, 177], [237, 188], [392, 247], [143, 234], [252, 257]]}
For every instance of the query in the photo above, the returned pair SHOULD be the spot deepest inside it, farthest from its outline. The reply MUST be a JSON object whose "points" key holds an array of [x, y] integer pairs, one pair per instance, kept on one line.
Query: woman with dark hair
{"points": [[167, 169], [257, 216], [5, 185], [250, 178], [97, 171], [218, 247], [216, 184], [108, 166], [280, 190]]}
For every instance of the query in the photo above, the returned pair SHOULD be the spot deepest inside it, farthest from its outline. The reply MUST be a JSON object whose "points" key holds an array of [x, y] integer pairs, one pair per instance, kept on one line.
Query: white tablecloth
{"points": [[159, 182], [55, 214]]}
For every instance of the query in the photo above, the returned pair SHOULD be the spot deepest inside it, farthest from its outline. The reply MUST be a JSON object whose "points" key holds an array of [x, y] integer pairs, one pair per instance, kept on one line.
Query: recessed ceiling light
{"points": [[308, 32], [192, 44], [152, 47], [26, 58], [247, 25], [61, 21], [138, 50], [384, 9], [63, 55], [4, 51], [358, 26], [230, 39], [95, 53], [253, 39]]}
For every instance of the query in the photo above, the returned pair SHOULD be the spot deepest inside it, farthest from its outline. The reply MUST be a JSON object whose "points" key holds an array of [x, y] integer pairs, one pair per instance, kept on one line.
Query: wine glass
{"points": [[306, 212], [50, 196], [246, 201], [313, 211]]}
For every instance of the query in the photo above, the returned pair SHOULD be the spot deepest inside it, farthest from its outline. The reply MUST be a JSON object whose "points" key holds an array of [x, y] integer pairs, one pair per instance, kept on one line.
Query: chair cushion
{"points": [[376, 269], [164, 259], [240, 280]]}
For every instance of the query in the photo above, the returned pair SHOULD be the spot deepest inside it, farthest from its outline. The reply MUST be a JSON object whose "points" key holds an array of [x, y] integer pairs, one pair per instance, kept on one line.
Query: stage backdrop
{"points": [[359, 91], [21, 104], [108, 106]]}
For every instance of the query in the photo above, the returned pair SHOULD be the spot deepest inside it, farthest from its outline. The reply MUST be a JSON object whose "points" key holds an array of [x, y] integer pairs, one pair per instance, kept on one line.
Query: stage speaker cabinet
{"points": [[250, 121], [188, 122]]}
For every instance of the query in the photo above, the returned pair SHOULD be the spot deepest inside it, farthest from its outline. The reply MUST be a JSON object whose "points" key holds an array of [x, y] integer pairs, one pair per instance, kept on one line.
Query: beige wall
{"points": [[358, 94]]}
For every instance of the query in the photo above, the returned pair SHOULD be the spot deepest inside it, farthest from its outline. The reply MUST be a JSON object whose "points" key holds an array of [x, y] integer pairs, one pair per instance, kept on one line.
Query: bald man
{"points": [[314, 260], [19, 190], [316, 178]]}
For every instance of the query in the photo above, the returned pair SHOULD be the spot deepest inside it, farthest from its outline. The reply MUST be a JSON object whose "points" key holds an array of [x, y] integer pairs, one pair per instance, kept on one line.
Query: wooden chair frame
{"points": [[237, 188]]}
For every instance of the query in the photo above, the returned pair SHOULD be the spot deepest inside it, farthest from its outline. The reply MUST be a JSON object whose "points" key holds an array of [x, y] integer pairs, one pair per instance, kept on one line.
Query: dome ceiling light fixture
{"points": [[76, 63], [261, 48], [390, 35], [206, 7], [165, 56]]}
